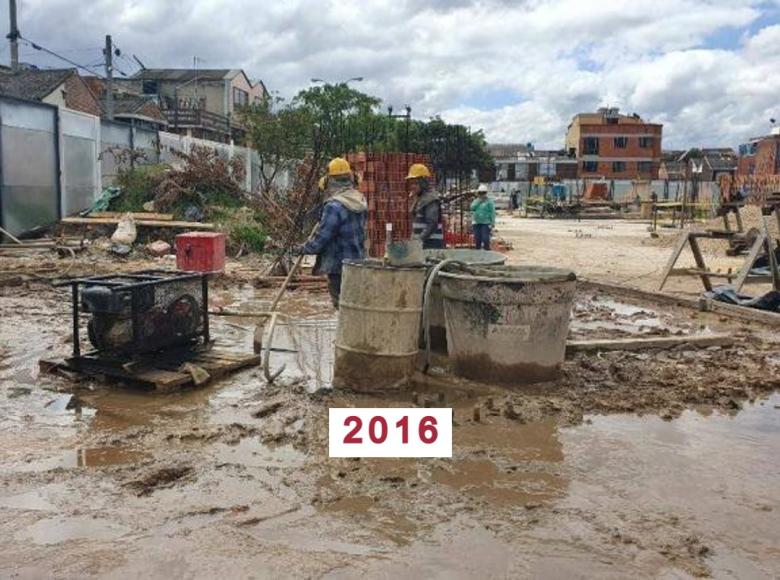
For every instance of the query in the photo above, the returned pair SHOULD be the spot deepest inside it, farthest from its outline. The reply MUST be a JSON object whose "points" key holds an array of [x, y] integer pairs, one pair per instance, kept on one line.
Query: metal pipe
{"points": [[76, 345], [204, 285]]}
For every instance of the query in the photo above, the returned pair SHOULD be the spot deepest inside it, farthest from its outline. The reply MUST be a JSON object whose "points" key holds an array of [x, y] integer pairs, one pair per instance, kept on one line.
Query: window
{"points": [[590, 166], [644, 166], [590, 146], [149, 87], [645, 142], [618, 166], [620, 142], [547, 168], [240, 97], [777, 158]]}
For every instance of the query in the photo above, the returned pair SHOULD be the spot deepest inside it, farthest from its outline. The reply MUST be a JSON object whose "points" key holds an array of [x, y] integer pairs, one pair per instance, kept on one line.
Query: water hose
{"points": [[269, 376], [426, 307]]}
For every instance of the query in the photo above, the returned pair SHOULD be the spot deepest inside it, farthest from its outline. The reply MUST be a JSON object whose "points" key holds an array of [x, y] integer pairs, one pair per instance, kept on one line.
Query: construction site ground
{"points": [[650, 463]]}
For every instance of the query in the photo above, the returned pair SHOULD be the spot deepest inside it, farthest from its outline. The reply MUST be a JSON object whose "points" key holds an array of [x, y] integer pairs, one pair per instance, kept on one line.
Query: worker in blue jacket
{"points": [[341, 234]]}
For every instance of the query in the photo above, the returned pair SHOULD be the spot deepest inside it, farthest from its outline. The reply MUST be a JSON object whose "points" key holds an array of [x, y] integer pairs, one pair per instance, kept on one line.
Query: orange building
{"points": [[610, 145]]}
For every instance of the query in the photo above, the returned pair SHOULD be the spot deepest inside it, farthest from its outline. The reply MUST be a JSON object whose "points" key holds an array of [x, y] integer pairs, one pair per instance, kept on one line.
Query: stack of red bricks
{"points": [[383, 182]]}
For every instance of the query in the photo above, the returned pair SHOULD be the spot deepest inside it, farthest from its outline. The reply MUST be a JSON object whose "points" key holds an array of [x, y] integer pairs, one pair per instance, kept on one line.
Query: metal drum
{"points": [[379, 325]]}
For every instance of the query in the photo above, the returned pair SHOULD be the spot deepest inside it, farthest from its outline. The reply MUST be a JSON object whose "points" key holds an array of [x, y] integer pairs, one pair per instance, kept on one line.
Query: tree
{"points": [[339, 113], [281, 134]]}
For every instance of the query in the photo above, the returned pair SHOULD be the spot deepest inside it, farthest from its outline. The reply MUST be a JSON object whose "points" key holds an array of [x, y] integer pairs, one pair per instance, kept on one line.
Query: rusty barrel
{"points": [[380, 309], [436, 305], [508, 324]]}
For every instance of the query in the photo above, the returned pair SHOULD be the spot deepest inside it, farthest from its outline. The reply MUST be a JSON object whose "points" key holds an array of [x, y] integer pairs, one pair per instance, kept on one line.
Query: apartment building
{"points": [[761, 155], [611, 145], [524, 163]]}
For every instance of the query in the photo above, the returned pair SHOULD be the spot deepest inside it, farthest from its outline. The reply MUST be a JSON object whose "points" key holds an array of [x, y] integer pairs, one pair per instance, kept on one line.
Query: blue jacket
{"points": [[341, 234]]}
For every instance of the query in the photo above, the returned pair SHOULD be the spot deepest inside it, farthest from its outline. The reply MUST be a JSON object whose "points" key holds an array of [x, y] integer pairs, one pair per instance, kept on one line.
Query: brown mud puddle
{"points": [[233, 480]]}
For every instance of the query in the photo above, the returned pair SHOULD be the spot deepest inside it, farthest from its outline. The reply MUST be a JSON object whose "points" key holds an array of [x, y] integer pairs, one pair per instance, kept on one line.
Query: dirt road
{"points": [[651, 464]]}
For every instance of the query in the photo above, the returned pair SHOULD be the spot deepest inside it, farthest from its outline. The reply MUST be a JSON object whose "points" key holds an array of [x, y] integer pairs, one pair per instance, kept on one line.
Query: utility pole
{"points": [[108, 52], [13, 36]]}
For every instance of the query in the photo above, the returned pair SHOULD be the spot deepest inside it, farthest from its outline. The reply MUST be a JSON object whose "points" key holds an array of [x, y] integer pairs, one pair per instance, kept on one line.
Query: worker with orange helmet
{"points": [[426, 209]]}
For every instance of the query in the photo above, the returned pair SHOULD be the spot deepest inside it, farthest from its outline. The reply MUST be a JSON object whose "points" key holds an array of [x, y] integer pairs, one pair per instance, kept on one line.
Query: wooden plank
{"points": [[749, 261], [697, 272], [653, 342], [703, 304], [699, 258], [145, 223], [163, 375], [676, 251], [139, 215]]}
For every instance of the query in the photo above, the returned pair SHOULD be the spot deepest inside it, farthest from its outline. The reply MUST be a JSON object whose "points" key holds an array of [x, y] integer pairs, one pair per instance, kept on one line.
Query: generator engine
{"points": [[141, 315]]}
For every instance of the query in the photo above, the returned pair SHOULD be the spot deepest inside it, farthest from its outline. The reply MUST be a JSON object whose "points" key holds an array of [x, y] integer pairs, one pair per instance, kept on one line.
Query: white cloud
{"points": [[449, 57]]}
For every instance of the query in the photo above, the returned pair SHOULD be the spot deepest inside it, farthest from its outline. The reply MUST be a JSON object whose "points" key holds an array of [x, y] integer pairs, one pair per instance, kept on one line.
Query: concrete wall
{"points": [[55, 162]]}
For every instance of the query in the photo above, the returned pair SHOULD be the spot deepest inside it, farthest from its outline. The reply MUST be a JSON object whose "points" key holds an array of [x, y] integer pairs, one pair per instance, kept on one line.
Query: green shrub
{"points": [[251, 236], [137, 185]]}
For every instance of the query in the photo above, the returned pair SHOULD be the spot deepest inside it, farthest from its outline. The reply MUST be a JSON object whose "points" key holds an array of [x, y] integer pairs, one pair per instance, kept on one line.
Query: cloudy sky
{"points": [[708, 69]]}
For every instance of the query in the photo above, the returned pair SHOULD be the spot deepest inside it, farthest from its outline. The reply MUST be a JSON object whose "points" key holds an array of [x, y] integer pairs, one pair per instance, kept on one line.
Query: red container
{"points": [[200, 252]]}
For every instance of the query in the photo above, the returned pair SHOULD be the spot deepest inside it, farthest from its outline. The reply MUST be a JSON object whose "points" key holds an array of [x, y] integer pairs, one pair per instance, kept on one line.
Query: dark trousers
{"points": [[334, 288], [482, 236]]}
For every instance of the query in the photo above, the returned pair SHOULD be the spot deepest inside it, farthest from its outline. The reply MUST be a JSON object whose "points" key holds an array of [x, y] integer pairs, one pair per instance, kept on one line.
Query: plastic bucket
{"points": [[508, 324]]}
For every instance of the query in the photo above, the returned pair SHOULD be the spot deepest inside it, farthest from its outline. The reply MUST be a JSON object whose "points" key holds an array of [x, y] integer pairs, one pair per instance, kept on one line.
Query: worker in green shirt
{"points": [[483, 218]]}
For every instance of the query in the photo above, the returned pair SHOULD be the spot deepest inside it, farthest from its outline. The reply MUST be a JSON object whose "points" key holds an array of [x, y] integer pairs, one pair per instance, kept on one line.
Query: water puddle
{"points": [[252, 453], [41, 499], [604, 317], [82, 458], [58, 530]]}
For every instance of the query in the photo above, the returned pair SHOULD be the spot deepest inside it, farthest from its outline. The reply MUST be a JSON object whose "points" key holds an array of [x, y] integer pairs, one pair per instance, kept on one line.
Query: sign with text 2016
{"points": [[390, 432]]}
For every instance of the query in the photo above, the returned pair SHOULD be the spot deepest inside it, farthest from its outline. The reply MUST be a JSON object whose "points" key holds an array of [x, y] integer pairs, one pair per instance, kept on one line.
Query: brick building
{"points": [[760, 156], [610, 145], [61, 87]]}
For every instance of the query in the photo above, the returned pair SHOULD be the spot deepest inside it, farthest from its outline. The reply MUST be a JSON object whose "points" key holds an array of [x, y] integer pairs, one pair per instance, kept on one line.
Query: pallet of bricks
{"points": [[383, 182]]}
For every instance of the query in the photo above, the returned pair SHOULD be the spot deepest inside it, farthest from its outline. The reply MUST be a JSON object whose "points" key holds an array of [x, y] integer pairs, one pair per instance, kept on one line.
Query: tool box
{"points": [[200, 252]]}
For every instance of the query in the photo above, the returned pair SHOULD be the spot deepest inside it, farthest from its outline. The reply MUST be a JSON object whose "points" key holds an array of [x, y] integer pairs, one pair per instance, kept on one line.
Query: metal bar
{"points": [[136, 323], [147, 280], [204, 281], [75, 296]]}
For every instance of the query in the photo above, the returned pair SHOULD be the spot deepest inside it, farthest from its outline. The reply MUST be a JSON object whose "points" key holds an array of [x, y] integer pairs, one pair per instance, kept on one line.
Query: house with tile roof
{"points": [[61, 87]]}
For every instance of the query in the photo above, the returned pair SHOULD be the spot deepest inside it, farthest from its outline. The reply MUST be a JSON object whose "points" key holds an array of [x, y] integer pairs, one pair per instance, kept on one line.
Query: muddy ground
{"points": [[650, 463]]}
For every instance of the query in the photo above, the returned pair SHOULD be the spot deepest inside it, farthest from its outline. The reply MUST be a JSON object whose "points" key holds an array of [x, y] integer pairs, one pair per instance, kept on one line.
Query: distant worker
{"points": [[426, 210], [483, 218], [342, 228]]}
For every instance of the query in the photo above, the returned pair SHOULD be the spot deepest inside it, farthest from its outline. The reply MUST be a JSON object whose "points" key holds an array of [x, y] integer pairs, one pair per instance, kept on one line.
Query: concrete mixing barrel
{"points": [[508, 324], [436, 305], [379, 325]]}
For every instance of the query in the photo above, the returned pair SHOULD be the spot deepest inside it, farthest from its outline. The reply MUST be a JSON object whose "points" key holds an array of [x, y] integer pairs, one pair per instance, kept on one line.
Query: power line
{"points": [[54, 54]]}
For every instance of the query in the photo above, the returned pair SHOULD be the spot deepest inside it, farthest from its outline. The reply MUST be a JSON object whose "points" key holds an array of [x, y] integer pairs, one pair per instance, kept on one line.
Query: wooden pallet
{"points": [[160, 372]]}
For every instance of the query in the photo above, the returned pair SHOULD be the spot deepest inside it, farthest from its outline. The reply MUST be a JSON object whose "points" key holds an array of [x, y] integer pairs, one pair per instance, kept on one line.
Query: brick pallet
{"points": [[383, 182]]}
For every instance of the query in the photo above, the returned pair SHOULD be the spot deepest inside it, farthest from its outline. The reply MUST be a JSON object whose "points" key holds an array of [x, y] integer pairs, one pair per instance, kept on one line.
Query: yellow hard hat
{"points": [[418, 170], [322, 183], [339, 166]]}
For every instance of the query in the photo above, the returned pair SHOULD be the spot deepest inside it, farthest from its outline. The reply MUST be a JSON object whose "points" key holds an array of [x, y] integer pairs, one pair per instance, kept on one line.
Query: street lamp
{"points": [[356, 79]]}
